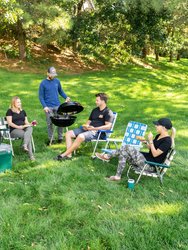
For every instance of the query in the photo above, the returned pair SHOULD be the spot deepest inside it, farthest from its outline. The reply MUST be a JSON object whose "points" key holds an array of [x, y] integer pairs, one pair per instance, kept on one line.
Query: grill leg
{"points": [[52, 135]]}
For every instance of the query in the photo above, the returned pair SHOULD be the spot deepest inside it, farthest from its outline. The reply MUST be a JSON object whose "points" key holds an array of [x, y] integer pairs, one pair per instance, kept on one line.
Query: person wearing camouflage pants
{"points": [[130, 154]]}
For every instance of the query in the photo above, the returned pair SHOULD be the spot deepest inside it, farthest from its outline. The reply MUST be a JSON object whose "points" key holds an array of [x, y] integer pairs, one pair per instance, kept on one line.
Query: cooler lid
{"points": [[70, 107]]}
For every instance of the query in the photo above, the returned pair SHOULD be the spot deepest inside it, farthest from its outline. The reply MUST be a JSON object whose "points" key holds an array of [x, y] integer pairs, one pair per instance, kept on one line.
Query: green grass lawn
{"points": [[70, 205]]}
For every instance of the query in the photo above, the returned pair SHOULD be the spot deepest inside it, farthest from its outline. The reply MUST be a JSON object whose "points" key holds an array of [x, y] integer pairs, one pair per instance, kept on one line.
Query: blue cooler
{"points": [[5, 157]]}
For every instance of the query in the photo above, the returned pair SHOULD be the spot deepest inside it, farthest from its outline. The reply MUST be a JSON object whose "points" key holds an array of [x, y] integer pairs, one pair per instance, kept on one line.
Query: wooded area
{"points": [[109, 30]]}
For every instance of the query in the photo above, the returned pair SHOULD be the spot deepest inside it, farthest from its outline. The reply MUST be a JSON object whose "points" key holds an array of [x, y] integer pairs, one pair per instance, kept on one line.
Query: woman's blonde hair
{"points": [[12, 104]]}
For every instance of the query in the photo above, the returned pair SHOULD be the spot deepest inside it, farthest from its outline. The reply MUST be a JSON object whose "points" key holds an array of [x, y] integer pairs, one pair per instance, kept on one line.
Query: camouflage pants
{"points": [[130, 154]]}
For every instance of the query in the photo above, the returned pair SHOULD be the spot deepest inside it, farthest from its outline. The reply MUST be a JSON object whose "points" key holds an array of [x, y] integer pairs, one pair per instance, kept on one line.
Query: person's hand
{"points": [[150, 137], [85, 126], [24, 126], [67, 99], [46, 110], [27, 125], [34, 123], [90, 128]]}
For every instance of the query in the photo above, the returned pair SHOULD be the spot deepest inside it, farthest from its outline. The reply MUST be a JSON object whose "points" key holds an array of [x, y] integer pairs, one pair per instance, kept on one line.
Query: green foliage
{"points": [[10, 11], [117, 27], [10, 51]]}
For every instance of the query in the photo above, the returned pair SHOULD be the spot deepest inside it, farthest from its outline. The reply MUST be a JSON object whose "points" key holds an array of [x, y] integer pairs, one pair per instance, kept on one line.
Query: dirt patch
{"points": [[65, 61]]}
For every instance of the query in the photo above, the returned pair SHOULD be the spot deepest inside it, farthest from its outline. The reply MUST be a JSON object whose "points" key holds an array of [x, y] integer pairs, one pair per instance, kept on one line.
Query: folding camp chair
{"points": [[133, 129], [107, 136], [5, 134], [159, 168]]}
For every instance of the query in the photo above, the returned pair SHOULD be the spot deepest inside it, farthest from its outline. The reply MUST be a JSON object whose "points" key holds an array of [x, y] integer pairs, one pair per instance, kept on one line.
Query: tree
{"points": [[146, 19], [176, 28], [43, 21]]}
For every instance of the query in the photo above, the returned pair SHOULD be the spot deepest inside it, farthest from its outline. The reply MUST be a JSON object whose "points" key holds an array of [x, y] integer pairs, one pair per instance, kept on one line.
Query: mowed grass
{"points": [[70, 205]]}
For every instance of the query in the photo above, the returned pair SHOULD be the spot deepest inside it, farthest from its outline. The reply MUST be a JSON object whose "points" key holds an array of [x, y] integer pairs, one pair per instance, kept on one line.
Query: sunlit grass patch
{"points": [[163, 209]]}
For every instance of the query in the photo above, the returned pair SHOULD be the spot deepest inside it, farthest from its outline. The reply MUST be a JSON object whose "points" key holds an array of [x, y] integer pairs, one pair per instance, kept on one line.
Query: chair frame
{"points": [[160, 168], [108, 134], [5, 134], [137, 144]]}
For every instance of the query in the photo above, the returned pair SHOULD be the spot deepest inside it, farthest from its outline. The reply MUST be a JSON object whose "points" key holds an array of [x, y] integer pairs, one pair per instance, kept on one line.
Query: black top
{"points": [[164, 144], [17, 118], [99, 117]]}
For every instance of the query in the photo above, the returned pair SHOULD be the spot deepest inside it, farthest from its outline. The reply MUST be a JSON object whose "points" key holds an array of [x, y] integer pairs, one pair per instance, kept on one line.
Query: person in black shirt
{"points": [[19, 125], [158, 149], [101, 118]]}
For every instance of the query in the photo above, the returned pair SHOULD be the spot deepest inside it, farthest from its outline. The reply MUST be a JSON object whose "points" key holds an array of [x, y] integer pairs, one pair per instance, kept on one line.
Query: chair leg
{"points": [[33, 144], [140, 175], [94, 150], [161, 179], [129, 168], [10, 140], [116, 145], [108, 143]]}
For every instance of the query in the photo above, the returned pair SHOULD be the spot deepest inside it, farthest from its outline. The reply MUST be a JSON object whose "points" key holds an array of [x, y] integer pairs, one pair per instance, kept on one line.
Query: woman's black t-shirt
{"points": [[164, 144], [17, 118]]}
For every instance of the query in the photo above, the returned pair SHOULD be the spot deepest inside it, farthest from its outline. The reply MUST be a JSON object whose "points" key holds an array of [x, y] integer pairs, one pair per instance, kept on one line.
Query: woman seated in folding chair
{"points": [[158, 149], [19, 125]]}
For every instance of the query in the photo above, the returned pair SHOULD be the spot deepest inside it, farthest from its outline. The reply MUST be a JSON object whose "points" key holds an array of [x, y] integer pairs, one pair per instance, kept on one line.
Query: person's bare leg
{"points": [[68, 136], [79, 139]]}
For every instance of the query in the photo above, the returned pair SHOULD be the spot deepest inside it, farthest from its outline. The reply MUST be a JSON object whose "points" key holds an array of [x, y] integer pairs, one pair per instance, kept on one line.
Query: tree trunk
{"points": [[156, 54], [78, 7], [21, 40], [77, 12], [144, 52], [171, 55], [178, 56], [75, 45]]}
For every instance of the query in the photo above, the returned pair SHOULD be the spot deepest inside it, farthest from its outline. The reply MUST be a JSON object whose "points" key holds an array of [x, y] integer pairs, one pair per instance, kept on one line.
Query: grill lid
{"points": [[70, 107]]}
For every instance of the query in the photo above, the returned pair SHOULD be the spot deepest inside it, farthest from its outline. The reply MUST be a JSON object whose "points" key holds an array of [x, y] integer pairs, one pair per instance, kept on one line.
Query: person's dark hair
{"points": [[102, 96]]}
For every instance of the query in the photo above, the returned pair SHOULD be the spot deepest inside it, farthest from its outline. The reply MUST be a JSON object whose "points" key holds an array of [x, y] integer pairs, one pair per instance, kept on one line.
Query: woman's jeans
{"points": [[26, 135]]}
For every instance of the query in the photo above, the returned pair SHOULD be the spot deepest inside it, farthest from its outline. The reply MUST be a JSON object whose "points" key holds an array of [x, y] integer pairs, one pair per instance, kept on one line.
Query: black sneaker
{"points": [[61, 158]]}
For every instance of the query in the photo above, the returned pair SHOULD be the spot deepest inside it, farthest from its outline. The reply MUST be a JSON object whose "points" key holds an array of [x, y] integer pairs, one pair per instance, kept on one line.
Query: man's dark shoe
{"points": [[61, 158], [60, 140]]}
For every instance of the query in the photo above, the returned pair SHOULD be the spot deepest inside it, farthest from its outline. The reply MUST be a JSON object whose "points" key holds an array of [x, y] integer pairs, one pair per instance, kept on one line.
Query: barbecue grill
{"points": [[65, 114]]}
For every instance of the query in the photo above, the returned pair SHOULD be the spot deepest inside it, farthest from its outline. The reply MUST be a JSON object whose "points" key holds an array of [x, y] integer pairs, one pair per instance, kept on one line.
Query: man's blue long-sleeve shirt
{"points": [[49, 92]]}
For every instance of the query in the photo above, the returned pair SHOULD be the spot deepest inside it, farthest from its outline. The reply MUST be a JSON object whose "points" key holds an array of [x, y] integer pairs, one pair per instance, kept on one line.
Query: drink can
{"points": [[131, 183]]}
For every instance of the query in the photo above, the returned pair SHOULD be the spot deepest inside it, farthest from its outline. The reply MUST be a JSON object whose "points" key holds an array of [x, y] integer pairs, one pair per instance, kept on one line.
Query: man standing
{"points": [[101, 118], [49, 92]]}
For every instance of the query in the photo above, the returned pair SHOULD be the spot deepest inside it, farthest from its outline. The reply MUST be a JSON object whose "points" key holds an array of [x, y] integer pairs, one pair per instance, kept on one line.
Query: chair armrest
{"points": [[102, 130], [108, 151], [115, 140], [157, 164], [106, 131], [4, 129]]}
